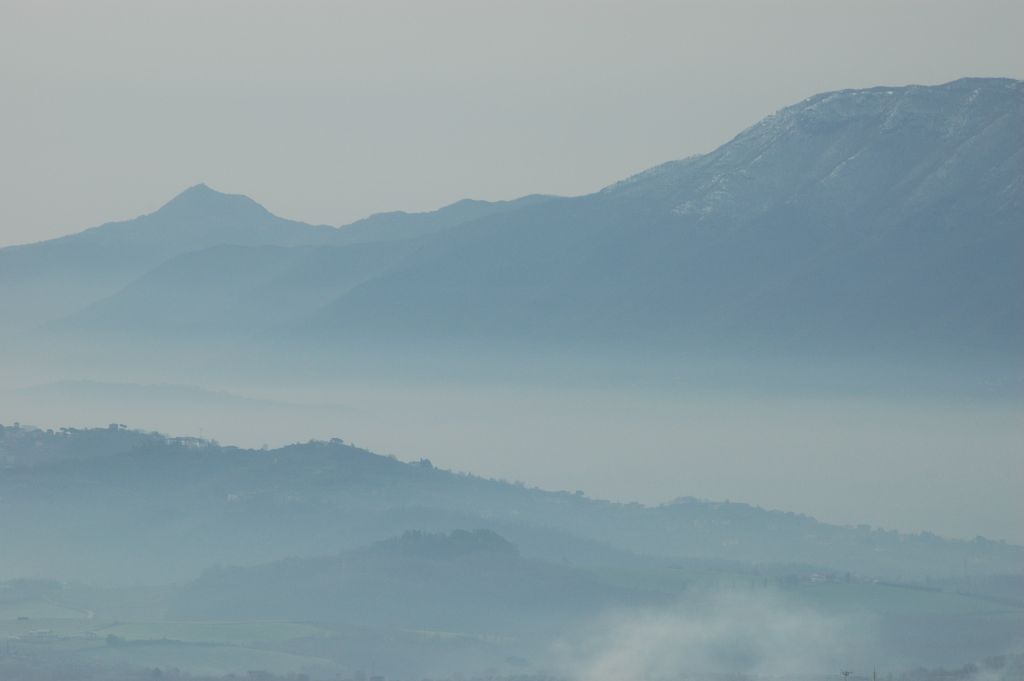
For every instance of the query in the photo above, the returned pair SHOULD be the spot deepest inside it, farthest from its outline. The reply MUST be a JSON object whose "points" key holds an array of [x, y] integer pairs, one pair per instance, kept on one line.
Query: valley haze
{"points": [[752, 413], [706, 321]]}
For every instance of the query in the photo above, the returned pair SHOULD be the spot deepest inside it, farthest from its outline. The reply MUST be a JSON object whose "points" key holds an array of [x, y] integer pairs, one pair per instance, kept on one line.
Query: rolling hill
{"points": [[105, 504]]}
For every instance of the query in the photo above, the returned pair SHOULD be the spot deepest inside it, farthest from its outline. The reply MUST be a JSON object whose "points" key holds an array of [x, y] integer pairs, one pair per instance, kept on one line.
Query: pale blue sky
{"points": [[328, 111]]}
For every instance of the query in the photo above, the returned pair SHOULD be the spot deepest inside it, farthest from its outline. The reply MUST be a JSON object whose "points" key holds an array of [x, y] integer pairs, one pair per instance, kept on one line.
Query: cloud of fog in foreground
{"points": [[757, 634]]}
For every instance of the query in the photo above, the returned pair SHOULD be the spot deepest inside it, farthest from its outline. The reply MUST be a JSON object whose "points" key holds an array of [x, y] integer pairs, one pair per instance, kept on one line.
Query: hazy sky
{"points": [[329, 111]]}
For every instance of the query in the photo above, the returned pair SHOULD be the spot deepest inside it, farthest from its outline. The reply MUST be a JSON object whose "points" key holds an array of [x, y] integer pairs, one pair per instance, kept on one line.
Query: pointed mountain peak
{"points": [[199, 190], [201, 199]]}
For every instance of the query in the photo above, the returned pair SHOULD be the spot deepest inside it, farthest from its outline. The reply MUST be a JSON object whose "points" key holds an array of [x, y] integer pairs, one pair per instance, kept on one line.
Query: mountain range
{"points": [[886, 222]]}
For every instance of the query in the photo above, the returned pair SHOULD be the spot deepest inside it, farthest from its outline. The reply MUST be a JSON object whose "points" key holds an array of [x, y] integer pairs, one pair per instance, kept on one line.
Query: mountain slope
{"points": [[880, 220], [233, 291]]}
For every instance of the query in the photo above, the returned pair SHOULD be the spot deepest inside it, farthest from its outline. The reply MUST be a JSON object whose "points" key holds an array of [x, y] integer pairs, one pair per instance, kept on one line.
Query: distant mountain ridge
{"points": [[49, 280], [399, 225], [877, 228], [885, 221], [95, 494]]}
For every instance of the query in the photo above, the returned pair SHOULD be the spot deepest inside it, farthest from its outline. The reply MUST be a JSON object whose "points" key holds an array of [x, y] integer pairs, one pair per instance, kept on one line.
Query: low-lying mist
{"points": [[729, 633], [908, 462], [717, 633]]}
